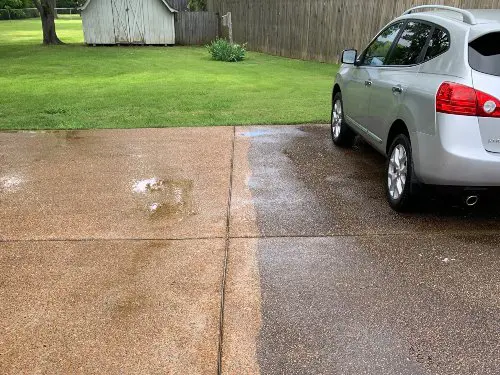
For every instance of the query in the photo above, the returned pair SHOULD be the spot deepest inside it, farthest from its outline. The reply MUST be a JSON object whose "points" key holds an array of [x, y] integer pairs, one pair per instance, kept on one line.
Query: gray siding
{"points": [[180, 5], [98, 29], [128, 22], [159, 23]]}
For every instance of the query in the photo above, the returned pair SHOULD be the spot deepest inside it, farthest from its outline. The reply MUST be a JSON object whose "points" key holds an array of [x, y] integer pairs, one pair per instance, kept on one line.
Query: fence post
{"points": [[230, 25], [226, 21]]}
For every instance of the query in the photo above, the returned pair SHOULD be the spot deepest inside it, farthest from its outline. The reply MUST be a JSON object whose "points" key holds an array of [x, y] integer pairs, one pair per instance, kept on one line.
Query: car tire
{"points": [[342, 135], [400, 182]]}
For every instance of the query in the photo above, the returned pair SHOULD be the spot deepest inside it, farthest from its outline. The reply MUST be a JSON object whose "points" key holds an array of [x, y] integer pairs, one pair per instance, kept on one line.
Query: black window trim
{"points": [[362, 56], [426, 47], [395, 42], [421, 57]]}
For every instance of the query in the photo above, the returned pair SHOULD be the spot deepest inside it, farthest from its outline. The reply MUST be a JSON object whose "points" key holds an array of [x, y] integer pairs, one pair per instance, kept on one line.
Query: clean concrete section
{"points": [[301, 185], [347, 286], [380, 305], [114, 246], [242, 315], [242, 309]]}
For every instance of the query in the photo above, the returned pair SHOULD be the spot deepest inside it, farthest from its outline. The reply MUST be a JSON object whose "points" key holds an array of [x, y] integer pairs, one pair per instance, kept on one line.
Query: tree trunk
{"points": [[48, 15]]}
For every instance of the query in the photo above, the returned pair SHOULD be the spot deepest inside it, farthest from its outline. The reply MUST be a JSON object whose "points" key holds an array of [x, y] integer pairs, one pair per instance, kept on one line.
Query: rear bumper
{"points": [[455, 155]]}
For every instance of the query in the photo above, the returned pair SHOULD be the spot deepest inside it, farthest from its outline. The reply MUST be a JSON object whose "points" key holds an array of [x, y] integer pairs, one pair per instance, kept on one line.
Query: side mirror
{"points": [[349, 56]]}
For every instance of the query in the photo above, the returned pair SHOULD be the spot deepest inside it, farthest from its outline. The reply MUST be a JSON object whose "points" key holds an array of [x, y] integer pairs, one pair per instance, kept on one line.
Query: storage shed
{"points": [[128, 22]]}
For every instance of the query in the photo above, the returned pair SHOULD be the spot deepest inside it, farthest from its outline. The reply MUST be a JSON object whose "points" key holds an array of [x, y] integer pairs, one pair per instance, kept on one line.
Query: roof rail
{"points": [[468, 17]]}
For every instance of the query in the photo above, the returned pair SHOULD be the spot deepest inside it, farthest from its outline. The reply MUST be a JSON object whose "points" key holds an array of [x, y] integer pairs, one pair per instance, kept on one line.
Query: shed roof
{"points": [[163, 1]]}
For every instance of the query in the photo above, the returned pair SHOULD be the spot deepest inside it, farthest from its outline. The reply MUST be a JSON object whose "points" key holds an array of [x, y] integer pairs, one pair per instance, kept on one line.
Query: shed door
{"points": [[128, 20]]}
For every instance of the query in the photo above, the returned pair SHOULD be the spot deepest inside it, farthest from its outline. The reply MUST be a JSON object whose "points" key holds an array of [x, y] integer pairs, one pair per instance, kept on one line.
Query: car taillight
{"points": [[487, 105], [458, 99]]}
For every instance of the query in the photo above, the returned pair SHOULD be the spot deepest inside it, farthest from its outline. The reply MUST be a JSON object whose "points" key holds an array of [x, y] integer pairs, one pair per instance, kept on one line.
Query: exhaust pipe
{"points": [[471, 200]]}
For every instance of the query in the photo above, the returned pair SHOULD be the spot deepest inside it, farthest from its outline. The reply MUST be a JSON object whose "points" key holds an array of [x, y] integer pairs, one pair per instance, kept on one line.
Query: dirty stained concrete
{"points": [[94, 184], [109, 307], [114, 246]]}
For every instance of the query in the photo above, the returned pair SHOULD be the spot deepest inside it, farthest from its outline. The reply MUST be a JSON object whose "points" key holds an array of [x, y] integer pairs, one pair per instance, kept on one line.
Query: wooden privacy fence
{"points": [[317, 29], [179, 5], [196, 27]]}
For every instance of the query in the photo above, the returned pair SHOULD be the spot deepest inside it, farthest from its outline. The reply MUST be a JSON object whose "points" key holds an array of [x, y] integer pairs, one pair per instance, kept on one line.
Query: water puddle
{"points": [[274, 133], [143, 186], [10, 183], [256, 133], [165, 198]]}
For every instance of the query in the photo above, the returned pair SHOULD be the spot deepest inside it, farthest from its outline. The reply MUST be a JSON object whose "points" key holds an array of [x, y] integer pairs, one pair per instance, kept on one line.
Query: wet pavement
{"points": [[115, 245], [156, 184], [346, 285]]}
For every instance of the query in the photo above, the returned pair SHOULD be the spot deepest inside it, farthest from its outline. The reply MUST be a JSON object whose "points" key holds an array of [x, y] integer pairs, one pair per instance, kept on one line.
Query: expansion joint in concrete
{"points": [[226, 253]]}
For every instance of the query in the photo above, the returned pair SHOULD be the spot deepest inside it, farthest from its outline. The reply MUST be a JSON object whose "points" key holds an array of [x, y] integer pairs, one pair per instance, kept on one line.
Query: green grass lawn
{"points": [[75, 86]]}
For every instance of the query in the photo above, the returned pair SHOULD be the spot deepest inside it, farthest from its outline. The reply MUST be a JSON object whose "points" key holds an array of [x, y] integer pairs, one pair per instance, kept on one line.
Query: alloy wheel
{"points": [[397, 173], [336, 119]]}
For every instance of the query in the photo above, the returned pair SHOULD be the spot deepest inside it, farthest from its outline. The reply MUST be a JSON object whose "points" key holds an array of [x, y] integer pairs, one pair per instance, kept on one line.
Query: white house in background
{"points": [[128, 22]]}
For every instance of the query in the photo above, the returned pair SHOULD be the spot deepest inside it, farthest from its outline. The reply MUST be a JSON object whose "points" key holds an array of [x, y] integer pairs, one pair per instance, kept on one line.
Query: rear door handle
{"points": [[397, 89], [368, 83]]}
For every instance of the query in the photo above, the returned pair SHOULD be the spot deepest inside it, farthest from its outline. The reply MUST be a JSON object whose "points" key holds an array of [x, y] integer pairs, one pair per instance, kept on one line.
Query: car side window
{"points": [[439, 43], [377, 51], [410, 44]]}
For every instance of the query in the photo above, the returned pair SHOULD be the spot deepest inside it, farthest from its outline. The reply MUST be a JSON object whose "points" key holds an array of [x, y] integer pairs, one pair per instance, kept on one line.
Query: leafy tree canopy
{"points": [[20, 4], [15, 4], [69, 3], [196, 5]]}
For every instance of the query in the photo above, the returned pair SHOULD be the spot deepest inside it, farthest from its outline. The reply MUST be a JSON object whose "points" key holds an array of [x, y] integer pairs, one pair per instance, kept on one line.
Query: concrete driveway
{"points": [[118, 248]]}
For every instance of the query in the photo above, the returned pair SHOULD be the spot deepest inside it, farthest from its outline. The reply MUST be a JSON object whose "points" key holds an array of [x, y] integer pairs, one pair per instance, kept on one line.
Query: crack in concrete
{"points": [[343, 235], [226, 253]]}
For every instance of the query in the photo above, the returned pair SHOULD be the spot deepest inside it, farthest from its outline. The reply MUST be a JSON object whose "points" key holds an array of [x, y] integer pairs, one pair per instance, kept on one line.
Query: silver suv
{"points": [[425, 93]]}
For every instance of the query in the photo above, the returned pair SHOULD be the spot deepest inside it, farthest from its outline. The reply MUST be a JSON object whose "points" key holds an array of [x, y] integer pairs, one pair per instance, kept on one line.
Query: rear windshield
{"points": [[484, 54]]}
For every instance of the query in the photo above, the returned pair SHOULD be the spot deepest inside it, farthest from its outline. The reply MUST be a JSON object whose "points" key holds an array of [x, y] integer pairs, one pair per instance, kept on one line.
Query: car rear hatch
{"points": [[484, 59]]}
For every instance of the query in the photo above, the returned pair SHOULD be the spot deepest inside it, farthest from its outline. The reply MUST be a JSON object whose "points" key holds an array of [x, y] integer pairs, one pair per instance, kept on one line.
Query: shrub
{"points": [[18, 14], [222, 50]]}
